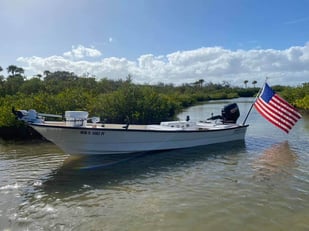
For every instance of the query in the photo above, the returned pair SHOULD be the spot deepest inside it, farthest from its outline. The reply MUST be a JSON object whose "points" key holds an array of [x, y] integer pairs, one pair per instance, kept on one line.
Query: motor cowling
{"points": [[230, 113]]}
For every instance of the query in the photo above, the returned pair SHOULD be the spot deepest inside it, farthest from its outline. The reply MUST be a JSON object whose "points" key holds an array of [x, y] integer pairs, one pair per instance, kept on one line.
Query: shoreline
{"points": [[19, 133]]}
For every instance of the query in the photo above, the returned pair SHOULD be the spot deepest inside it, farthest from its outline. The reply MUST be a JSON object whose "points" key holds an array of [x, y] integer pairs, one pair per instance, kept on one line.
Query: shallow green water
{"points": [[259, 184]]}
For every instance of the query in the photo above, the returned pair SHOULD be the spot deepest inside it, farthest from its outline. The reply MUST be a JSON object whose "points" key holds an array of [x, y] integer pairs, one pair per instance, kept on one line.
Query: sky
{"points": [[159, 41]]}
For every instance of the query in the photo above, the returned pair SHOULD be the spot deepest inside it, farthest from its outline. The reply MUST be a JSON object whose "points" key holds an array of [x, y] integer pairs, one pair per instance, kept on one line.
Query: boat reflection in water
{"points": [[87, 171]]}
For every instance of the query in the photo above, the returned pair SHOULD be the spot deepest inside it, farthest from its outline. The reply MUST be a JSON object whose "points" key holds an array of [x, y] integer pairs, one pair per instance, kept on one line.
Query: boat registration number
{"points": [[94, 133]]}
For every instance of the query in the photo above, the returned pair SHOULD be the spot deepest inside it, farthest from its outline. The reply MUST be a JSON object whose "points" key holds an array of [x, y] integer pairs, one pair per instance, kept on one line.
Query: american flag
{"points": [[276, 110]]}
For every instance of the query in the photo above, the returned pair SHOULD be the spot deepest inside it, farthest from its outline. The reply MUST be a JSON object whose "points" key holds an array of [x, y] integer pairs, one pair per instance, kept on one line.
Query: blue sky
{"points": [[171, 41]]}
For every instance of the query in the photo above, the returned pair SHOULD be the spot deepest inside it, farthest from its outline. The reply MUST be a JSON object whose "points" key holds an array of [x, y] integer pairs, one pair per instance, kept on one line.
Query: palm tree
{"points": [[12, 69], [1, 69], [254, 82], [199, 83], [46, 73], [245, 82], [20, 70]]}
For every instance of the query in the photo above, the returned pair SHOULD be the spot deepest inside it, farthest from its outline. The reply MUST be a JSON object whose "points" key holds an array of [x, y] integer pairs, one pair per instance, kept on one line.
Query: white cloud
{"points": [[80, 52], [215, 64]]}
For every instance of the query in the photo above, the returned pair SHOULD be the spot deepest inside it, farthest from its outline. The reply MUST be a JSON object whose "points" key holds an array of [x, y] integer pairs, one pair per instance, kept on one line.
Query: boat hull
{"points": [[93, 141]]}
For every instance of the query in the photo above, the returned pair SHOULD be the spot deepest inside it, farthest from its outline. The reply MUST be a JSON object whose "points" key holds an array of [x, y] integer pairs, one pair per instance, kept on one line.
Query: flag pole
{"points": [[257, 95]]}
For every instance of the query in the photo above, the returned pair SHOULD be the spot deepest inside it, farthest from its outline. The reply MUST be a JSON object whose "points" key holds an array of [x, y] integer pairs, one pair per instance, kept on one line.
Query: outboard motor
{"points": [[230, 113]]}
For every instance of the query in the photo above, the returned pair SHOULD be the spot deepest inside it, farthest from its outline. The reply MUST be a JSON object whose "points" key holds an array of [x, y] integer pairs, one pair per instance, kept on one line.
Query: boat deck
{"points": [[98, 125], [164, 126]]}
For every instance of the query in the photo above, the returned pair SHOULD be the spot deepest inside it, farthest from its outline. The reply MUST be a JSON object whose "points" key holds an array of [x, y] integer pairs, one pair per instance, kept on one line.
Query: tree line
{"points": [[115, 101]]}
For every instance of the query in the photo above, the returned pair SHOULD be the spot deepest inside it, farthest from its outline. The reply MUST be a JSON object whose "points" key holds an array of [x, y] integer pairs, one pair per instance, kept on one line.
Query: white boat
{"points": [[76, 135]]}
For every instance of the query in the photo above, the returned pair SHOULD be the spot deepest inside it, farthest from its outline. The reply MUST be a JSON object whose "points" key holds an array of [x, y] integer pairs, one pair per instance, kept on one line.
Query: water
{"points": [[259, 184]]}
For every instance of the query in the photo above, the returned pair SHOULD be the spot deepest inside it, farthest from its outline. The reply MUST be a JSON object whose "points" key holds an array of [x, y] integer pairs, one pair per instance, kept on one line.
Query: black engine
{"points": [[229, 114]]}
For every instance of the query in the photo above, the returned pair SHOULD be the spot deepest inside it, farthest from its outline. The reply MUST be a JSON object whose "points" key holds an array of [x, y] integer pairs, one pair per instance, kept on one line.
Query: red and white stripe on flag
{"points": [[276, 110]]}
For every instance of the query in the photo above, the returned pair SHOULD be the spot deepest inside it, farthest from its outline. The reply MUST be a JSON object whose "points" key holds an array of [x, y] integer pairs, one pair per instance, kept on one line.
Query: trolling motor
{"points": [[229, 114], [32, 116]]}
